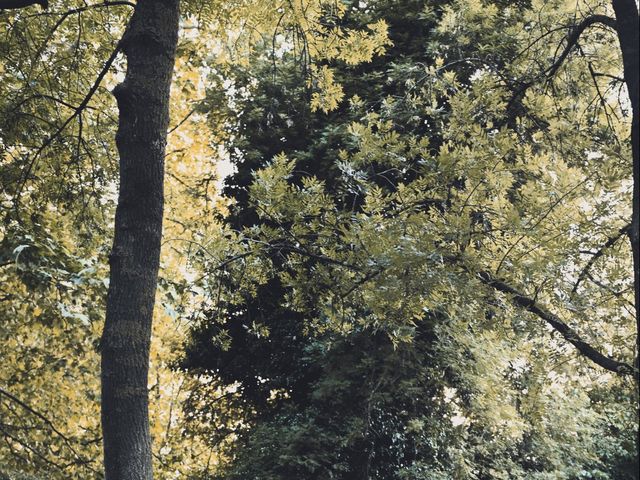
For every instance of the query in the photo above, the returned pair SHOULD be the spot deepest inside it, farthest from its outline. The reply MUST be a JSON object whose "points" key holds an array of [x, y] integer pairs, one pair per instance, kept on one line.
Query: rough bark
{"points": [[627, 26], [149, 44]]}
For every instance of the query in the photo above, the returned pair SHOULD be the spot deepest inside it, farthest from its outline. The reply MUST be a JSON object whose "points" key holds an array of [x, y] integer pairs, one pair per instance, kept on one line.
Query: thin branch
{"points": [[181, 122], [75, 114], [41, 417], [232, 259], [574, 36], [369, 276], [539, 221], [46, 97], [608, 75], [595, 256], [31, 449], [73, 11], [612, 291], [66, 14], [571, 41], [321, 258]]}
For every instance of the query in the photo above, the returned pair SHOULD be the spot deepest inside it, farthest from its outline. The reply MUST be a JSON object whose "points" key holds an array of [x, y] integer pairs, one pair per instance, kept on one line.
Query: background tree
{"points": [[55, 125], [420, 271], [445, 212], [55, 186], [149, 43]]}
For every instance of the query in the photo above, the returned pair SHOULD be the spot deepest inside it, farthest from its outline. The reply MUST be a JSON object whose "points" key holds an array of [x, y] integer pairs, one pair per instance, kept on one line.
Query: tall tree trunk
{"points": [[149, 44], [628, 22]]}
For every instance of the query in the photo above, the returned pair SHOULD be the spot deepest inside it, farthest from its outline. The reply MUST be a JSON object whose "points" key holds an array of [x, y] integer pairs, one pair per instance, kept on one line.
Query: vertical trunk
{"points": [[627, 24], [149, 44]]}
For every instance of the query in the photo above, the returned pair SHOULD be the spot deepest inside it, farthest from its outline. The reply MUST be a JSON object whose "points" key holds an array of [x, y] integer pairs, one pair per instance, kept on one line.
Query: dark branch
{"points": [[306, 253], [75, 11], [608, 75], [48, 422], [571, 41], [45, 97], [574, 36], [369, 276], [28, 447], [181, 122], [68, 13], [15, 4], [558, 325], [608, 244], [74, 115]]}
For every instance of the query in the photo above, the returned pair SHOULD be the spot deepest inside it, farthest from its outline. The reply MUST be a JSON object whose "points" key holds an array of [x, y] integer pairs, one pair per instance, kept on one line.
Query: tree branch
{"points": [[571, 41], [609, 243], [306, 253], [574, 35], [558, 325], [75, 114], [44, 96], [48, 422], [15, 4]]}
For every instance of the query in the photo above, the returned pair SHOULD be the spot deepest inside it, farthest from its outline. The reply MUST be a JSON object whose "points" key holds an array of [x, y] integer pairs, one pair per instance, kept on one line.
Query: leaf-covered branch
{"points": [[48, 422], [557, 324], [571, 41], [574, 36], [77, 111]]}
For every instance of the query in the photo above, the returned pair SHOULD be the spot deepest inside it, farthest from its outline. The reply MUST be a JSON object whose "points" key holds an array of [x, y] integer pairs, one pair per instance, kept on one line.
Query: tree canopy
{"points": [[398, 239]]}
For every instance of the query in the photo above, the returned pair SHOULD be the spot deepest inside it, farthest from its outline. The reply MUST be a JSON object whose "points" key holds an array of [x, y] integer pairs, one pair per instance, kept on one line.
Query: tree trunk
{"points": [[627, 21], [149, 44]]}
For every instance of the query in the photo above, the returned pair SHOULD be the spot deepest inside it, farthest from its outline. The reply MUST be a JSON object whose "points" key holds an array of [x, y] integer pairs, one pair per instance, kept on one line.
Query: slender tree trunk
{"points": [[627, 24], [627, 21], [149, 44]]}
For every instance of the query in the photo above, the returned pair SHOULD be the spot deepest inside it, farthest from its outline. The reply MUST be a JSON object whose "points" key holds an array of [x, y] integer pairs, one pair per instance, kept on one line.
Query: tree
{"points": [[149, 43], [628, 28], [421, 276], [140, 202], [54, 247], [143, 100], [54, 126], [442, 212]]}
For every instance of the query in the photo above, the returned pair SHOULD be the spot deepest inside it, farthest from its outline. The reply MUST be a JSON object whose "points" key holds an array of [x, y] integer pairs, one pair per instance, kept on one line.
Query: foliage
{"points": [[349, 294], [387, 154], [59, 182]]}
